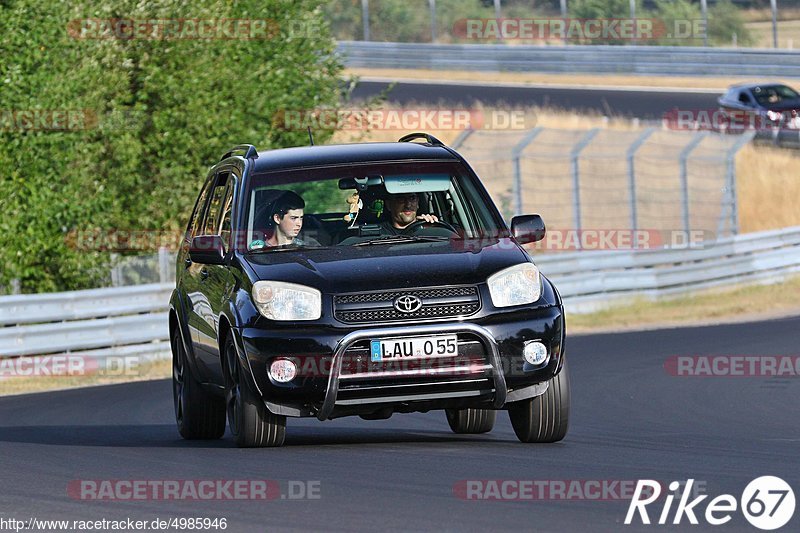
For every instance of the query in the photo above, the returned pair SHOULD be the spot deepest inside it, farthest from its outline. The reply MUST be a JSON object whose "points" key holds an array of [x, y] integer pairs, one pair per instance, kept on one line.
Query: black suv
{"points": [[361, 313]]}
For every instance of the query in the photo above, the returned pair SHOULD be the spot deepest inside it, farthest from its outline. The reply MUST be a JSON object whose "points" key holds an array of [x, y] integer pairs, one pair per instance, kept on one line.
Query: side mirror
{"points": [[207, 250], [527, 228]]}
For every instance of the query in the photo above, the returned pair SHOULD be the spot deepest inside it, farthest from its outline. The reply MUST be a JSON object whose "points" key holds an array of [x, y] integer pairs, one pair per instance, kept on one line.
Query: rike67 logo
{"points": [[767, 503]]}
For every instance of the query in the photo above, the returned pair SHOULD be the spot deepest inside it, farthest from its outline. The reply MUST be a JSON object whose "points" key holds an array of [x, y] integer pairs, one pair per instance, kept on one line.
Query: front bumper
{"points": [[336, 378]]}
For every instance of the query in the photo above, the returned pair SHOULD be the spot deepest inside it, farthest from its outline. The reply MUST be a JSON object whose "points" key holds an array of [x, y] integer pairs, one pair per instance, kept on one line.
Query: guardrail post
{"points": [[576, 179], [730, 184], [516, 154], [16, 286], [631, 154], [685, 176]]}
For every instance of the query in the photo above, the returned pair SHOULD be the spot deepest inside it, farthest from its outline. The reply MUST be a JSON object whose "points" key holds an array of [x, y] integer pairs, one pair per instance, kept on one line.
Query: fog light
{"points": [[282, 370], [535, 353]]}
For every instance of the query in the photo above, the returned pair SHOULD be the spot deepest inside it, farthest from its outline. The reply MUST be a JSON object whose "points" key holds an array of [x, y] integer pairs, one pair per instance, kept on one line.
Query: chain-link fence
{"points": [[578, 180], [608, 179], [142, 269]]}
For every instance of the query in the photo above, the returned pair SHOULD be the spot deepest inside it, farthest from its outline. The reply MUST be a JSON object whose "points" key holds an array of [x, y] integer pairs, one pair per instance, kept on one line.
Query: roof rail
{"points": [[419, 135], [245, 150]]}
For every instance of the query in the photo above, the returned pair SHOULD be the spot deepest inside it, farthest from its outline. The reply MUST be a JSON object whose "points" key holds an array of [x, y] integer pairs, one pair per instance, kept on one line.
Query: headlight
{"points": [[517, 285], [277, 300]]}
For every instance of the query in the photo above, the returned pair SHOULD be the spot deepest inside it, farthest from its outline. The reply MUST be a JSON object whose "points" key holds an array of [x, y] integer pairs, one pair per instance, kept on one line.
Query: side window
{"points": [[744, 98], [225, 224], [194, 226], [211, 221]]}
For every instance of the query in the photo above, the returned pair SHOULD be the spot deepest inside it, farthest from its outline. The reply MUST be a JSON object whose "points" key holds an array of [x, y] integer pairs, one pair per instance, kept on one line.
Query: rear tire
{"points": [[252, 424], [466, 421], [199, 414], [543, 418]]}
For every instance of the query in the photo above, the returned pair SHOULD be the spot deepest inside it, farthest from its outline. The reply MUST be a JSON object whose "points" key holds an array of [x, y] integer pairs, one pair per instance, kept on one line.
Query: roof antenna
{"points": [[310, 137]]}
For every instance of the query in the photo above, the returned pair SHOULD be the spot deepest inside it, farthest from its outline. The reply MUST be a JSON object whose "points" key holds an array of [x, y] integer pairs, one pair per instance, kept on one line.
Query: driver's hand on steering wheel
{"points": [[428, 218]]}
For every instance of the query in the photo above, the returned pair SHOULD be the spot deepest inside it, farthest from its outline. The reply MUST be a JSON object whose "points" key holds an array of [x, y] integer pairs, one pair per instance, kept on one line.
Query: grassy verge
{"points": [[788, 34], [752, 302], [713, 306], [542, 78], [19, 385]]}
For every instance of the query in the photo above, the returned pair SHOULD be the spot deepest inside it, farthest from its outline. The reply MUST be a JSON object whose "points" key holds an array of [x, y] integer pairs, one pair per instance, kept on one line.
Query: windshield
{"points": [[773, 94], [366, 204]]}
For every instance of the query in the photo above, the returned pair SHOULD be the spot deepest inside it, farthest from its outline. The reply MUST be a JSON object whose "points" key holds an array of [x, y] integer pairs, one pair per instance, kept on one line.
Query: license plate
{"points": [[414, 347]]}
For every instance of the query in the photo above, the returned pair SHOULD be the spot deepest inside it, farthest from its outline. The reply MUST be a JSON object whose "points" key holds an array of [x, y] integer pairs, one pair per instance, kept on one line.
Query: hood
{"points": [[343, 269]]}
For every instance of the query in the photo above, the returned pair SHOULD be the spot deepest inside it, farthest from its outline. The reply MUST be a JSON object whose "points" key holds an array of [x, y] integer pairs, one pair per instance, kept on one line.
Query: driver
{"points": [[402, 209]]}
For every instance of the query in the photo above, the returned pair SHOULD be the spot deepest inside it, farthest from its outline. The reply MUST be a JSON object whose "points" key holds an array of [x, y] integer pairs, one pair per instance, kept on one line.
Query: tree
{"points": [[158, 114]]}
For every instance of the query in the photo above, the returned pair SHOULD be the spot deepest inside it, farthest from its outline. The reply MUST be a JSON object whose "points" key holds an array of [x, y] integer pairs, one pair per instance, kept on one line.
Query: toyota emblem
{"points": [[407, 304]]}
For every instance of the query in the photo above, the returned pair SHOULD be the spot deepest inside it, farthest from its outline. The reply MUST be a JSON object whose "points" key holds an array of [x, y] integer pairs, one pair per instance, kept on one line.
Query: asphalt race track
{"points": [[644, 103], [631, 420]]}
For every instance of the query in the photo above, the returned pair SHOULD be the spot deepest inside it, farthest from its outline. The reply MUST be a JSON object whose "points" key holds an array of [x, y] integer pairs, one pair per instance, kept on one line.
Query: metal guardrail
{"points": [[660, 60], [133, 320], [591, 280], [97, 324]]}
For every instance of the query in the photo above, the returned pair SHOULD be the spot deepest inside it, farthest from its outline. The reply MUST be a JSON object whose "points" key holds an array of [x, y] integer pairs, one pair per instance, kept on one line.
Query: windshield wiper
{"points": [[395, 239]]}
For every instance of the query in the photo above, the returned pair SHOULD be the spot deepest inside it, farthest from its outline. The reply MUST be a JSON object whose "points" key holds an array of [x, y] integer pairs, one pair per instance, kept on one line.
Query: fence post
{"points": [[461, 138], [516, 154], [163, 264], [576, 178], [432, 6], [730, 183], [365, 18], [631, 155], [685, 176]]}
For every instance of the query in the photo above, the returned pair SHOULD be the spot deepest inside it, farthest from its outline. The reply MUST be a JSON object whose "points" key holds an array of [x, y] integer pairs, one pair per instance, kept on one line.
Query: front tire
{"points": [[543, 418], [251, 423], [471, 421], [199, 414]]}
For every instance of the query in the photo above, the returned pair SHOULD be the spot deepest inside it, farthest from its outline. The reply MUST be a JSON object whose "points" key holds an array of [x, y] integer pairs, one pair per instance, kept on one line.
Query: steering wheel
{"points": [[415, 226]]}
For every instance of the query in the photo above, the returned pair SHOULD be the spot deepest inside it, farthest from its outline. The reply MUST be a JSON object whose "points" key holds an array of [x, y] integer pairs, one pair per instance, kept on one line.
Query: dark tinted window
{"points": [[199, 206], [774, 94], [212, 217]]}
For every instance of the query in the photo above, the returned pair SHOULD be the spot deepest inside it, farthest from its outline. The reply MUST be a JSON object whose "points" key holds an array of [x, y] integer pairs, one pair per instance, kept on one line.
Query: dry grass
{"points": [[753, 302], [766, 176], [788, 34], [544, 78], [768, 188], [144, 372], [764, 14]]}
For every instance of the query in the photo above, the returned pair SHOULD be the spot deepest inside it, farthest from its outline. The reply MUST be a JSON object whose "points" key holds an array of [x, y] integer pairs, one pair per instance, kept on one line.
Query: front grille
{"points": [[439, 302]]}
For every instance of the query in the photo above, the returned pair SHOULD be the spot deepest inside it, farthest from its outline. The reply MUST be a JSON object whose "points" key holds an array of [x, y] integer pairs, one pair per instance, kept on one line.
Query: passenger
{"points": [[402, 209], [287, 221]]}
